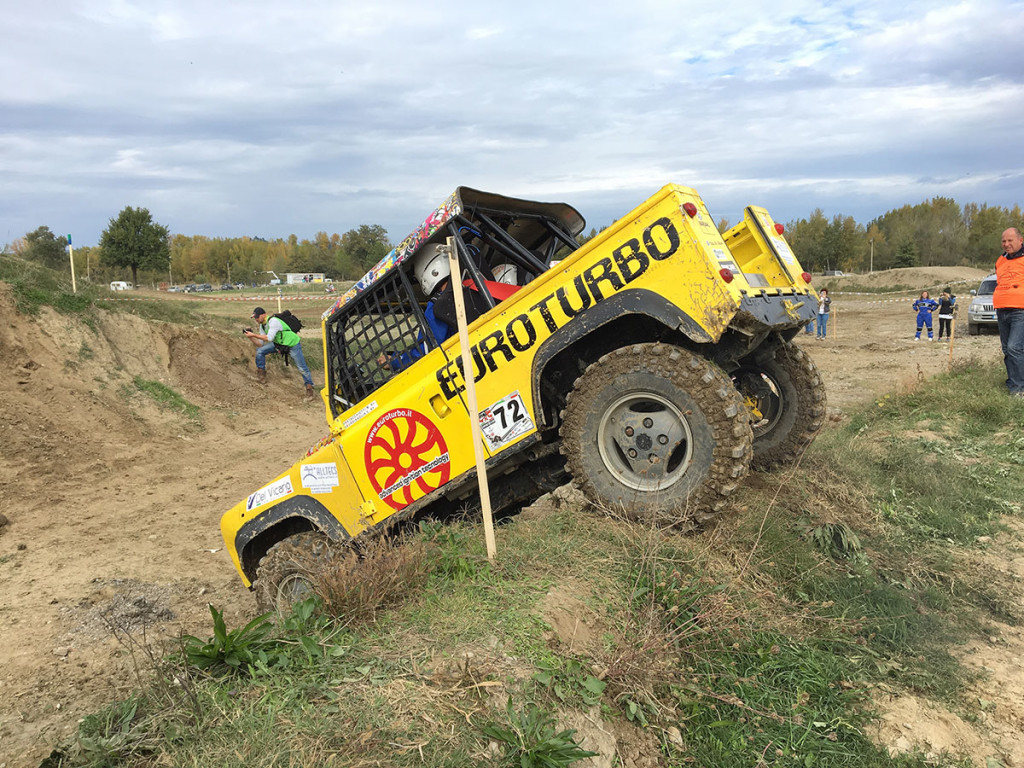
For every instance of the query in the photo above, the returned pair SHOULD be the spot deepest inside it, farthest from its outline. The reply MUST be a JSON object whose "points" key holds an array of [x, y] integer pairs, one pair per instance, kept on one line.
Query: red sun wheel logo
{"points": [[406, 457]]}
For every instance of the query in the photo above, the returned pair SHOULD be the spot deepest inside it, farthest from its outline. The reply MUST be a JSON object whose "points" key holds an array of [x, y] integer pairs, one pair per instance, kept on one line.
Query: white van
{"points": [[120, 285]]}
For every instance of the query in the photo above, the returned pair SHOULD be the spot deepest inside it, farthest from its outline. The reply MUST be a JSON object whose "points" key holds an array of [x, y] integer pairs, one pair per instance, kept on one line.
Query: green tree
{"points": [[807, 239], [134, 240], [365, 246], [906, 254], [985, 228], [44, 247]]}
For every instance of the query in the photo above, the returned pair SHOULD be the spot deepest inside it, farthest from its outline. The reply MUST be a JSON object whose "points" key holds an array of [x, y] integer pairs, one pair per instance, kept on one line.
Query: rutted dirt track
{"points": [[113, 504]]}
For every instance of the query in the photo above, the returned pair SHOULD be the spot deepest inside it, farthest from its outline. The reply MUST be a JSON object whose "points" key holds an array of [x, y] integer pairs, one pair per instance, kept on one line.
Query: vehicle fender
{"points": [[638, 301], [293, 515]]}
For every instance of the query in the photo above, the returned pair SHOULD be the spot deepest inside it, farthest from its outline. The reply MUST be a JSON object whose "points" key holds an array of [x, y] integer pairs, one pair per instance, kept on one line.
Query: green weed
{"points": [[167, 398], [118, 735], [836, 540], [232, 651], [569, 680], [531, 740]]}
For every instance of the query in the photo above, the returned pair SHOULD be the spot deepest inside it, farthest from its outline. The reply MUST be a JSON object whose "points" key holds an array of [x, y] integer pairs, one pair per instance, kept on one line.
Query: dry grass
{"points": [[382, 573]]}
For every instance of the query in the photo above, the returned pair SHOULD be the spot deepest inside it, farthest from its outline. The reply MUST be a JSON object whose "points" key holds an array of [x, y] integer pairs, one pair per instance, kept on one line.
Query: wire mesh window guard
{"points": [[387, 320]]}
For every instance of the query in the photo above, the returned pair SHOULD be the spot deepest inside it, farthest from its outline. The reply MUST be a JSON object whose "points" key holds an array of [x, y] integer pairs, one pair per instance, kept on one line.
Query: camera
{"points": [[246, 330]]}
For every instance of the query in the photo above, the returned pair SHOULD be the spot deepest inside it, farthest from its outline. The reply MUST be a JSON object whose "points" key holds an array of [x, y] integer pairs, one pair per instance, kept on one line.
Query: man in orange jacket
{"points": [[1008, 301]]}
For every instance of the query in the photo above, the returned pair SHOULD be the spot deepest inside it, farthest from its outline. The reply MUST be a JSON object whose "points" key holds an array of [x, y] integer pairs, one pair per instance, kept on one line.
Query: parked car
{"points": [[190, 288], [227, 287], [981, 313], [204, 288], [834, 273]]}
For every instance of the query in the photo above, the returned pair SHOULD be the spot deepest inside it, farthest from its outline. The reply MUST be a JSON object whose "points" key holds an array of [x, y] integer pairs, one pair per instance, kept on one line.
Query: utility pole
{"points": [[871, 267]]}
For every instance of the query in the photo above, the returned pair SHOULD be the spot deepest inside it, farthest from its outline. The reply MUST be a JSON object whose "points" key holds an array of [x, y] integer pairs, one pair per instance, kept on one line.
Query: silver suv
{"points": [[981, 314]]}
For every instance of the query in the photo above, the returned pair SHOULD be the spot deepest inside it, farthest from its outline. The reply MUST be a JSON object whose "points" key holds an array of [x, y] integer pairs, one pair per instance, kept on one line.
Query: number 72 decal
{"points": [[504, 421]]}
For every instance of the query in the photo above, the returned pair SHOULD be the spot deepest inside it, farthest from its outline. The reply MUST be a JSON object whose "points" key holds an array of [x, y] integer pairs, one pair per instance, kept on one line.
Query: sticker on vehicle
{"points": [[320, 478], [504, 421], [406, 457], [268, 493], [784, 252], [370, 407]]}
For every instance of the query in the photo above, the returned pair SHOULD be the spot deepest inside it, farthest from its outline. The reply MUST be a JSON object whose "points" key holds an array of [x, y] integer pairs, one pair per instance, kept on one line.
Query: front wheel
{"points": [[657, 433], [786, 398], [287, 573]]}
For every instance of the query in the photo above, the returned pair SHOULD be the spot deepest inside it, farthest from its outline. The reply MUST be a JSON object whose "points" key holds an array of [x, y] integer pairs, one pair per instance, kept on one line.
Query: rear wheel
{"points": [[657, 433], [287, 573], [786, 398]]}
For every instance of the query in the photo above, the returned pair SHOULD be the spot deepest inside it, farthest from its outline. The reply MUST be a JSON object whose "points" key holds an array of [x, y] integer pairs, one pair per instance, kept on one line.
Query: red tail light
{"points": [[806, 276], [691, 209], [726, 274], [779, 228]]}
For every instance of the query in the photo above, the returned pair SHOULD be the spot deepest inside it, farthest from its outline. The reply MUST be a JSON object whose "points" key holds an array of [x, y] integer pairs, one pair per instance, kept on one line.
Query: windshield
{"points": [[988, 287]]}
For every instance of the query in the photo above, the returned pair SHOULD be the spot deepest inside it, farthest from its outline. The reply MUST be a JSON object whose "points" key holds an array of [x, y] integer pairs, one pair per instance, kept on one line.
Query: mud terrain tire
{"points": [[790, 394], [657, 433], [286, 574]]}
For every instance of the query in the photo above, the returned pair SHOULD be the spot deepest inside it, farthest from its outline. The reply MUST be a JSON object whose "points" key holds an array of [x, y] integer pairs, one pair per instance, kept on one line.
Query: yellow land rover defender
{"points": [[651, 365]]}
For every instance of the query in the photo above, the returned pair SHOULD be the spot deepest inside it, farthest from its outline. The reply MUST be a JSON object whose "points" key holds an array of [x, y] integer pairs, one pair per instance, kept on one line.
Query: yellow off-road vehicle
{"points": [[652, 365]]}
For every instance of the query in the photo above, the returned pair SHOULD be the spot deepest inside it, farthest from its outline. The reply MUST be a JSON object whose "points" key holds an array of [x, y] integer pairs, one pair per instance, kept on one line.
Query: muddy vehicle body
{"points": [[652, 365]]}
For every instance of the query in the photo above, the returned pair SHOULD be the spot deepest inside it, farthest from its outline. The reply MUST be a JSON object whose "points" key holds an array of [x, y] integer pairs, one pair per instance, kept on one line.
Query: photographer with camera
{"points": [[274, 336]]}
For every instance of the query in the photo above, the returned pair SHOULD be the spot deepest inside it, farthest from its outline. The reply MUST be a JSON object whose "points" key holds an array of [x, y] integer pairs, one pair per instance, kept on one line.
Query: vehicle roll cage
{"points": [[390, 313]]}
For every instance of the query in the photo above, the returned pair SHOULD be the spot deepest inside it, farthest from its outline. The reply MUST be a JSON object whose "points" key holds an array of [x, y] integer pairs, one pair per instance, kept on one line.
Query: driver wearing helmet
{"points": [[431, 270]]}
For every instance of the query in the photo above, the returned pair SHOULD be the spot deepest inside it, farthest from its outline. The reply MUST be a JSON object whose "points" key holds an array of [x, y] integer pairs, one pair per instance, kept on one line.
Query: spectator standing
{"points": [[278, 337], [1008, 300], [924, 306], [947, 308], [824, 307]]}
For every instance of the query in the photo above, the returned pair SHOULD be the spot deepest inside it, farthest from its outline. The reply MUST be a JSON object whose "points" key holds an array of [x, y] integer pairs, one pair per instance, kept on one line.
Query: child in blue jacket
{"points": [[924, 307]]}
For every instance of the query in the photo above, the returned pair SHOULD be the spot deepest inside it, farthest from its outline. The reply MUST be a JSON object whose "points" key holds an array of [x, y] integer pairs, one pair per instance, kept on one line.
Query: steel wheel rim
{"points": [[293, 588], [674, 456], [770, 415]]}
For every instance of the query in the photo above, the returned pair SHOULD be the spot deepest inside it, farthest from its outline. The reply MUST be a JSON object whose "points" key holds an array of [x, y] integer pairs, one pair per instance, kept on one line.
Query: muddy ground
{"points": [[112, 504]]}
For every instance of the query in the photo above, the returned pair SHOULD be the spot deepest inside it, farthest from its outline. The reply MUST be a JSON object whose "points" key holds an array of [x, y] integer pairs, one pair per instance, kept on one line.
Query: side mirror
{"points": [[974, 293]]}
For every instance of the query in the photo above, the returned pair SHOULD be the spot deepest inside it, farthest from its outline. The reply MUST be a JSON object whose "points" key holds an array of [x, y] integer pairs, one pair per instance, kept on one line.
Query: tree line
{"points": [[934, 233], [938, 232], [136, 247]]}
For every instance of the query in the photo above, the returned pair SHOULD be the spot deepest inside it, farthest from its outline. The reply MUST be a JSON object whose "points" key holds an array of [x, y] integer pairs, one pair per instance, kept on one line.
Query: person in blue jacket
{"points": [[924, 307]]}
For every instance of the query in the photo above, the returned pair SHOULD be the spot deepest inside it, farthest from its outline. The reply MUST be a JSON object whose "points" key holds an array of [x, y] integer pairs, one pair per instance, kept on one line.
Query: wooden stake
{"points": [[474, 413]]}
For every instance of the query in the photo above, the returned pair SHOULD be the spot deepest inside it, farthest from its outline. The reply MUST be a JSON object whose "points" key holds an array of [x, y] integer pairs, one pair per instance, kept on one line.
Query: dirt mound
{"points": [[113, 500], [932, 279]]}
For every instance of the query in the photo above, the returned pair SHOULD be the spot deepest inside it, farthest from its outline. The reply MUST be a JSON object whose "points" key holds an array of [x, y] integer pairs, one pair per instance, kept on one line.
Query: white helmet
{"points": [[431, 267], [506, 273]]}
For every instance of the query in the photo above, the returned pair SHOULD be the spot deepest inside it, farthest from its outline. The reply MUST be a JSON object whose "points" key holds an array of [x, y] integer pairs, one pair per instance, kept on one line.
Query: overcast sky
{"points": [[269, 118]]}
